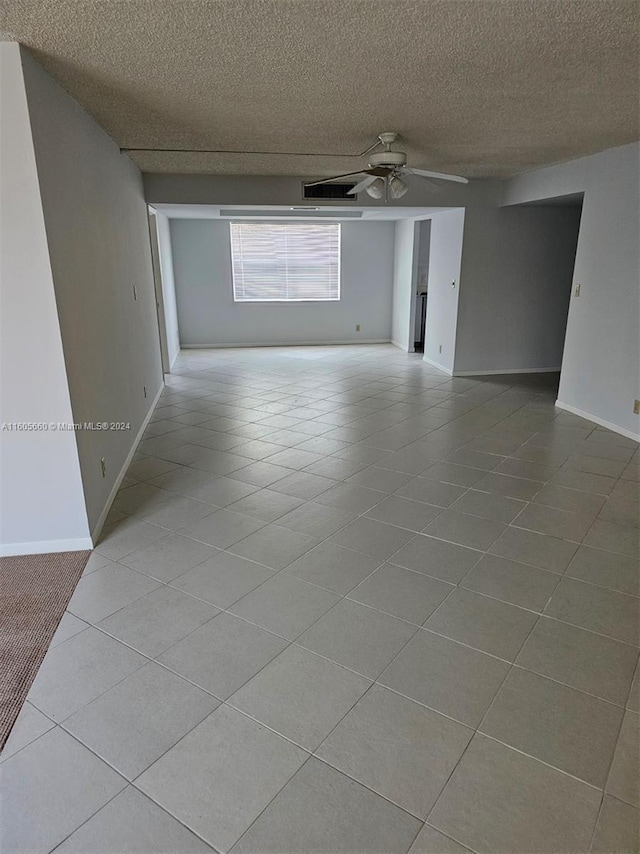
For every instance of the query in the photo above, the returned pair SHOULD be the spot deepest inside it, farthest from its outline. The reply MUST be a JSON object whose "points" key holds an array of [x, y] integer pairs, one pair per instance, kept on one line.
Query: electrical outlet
{"points": [[636, 407], [576, 290], [103, 467], [144, 388], [440, 349], [357, 327]]}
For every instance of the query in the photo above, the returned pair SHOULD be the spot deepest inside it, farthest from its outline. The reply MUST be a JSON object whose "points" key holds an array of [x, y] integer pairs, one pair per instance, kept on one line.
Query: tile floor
{"points": [[344, 603]]}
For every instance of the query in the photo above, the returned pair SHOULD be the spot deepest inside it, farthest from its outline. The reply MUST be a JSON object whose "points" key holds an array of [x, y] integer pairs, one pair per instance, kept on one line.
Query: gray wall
{"points": [[601, 365], [517, 268], [98, 237], [41, 500], [208, 317]]}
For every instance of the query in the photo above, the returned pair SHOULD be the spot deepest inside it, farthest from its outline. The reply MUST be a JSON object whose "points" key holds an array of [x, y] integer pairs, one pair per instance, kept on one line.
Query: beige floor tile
{"points": [[498, 508], [300, 695], [509, 486], [358, 637], [333, 567], [79, 670], [564, 524], [404, 513], [534, 549], [618, 829], [437, 558], [483, 623], [562, 727], [274, 546], [431, 841], [132, 824], [316, 520], [398, 748], [464, 529], [322, 810], [285, 605], [169, 557], [135, 722], [223, 579], [430, 491], [499, 800], [29, 725], [402, 593], [515, 583], [589, 662], [446, 676], [155, 622], [222, 528], [50, 788], [223, 654], [624, 782], [597, 609], [624, 539], [220, 777], [606, 569], [372, 538], [106, 590]]}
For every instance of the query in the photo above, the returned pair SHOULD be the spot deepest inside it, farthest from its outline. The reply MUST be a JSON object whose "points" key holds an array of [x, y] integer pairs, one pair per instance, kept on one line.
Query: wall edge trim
{"points": [[438, 366], [507, 371], [286, 344], [78, 544], [602, 422], [97, 529]]}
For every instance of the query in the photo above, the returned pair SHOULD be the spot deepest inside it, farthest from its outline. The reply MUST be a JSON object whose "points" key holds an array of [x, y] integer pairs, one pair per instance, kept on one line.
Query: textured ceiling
{"points": [[477, 87]]}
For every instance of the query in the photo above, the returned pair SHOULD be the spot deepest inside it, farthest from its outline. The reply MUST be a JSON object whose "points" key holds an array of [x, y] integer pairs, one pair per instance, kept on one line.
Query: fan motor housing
{"points": [[388, 158]]}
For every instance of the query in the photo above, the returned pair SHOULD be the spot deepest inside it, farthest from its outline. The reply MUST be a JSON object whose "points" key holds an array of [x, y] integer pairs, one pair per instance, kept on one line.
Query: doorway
{"points": [[562, 216], [422, 285]]}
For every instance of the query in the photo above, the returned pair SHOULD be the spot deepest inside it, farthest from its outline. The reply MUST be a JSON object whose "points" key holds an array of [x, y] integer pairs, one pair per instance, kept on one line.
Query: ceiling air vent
{"points": [[329, 191]]}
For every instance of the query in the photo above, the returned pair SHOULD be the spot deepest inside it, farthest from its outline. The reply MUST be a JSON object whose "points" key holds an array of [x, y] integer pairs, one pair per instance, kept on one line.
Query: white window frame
{"points": [[286, 300]]}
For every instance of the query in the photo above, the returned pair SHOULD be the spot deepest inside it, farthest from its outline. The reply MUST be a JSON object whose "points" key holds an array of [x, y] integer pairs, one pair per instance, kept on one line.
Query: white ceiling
{"points": [[483, 88]]}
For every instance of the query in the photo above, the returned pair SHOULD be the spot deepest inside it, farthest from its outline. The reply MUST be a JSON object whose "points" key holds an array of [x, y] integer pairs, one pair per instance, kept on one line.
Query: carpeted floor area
{"points": [[34, 593]]}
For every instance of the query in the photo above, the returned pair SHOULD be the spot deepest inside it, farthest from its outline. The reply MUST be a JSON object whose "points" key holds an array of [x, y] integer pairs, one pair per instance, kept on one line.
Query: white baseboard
{"points": [[506, 371], [39, 547], [438, 366], [285, 344], [589, 416], [97, 529]]}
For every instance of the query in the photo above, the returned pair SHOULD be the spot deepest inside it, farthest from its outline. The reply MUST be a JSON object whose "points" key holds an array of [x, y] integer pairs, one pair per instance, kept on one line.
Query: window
{"points": [[285, 261]]}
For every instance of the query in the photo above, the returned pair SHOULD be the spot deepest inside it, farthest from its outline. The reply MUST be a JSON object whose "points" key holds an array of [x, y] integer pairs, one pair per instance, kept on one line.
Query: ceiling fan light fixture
{"points": [[397, 187], [376, 189]]}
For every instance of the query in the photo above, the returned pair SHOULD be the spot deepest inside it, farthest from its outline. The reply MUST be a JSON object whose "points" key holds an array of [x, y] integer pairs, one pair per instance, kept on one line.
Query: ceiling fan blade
{"points": [[378, 171], [443, 176], [366, 182], [336, 178]]}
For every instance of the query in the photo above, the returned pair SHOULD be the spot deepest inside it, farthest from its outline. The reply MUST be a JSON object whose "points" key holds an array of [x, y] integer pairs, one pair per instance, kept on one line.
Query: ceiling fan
{"points": [[387, 168]]}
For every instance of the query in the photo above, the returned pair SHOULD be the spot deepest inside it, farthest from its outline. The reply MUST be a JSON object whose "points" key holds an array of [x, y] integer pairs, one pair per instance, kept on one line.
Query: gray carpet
{"points": [[34, 592]]}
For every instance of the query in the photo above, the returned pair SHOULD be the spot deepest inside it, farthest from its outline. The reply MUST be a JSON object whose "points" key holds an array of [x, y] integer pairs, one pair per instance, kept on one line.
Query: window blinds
{"points": [[285, 261]]}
